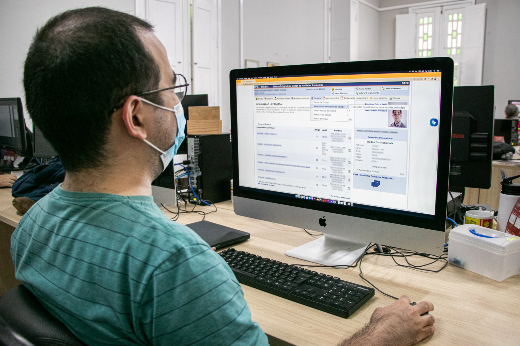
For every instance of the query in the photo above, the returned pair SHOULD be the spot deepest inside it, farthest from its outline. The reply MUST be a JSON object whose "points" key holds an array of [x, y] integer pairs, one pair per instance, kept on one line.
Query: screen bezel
{"points": [[445, 65]]}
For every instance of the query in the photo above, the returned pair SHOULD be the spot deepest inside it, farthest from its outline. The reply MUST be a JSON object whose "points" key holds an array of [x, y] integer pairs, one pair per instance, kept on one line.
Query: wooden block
{"points": [[204, 127], [204, 113]]}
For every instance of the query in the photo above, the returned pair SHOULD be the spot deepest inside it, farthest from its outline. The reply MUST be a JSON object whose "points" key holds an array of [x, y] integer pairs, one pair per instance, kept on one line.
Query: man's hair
{"points": [[80, 65], [511, 111], [397, 110]]}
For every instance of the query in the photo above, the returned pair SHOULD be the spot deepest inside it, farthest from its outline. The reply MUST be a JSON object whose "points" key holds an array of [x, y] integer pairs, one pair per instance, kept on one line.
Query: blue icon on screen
{"points": [[375, 183], [434, 122]]}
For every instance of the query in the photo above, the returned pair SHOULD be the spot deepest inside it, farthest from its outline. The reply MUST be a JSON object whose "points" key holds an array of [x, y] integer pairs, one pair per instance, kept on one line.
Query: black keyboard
{"points": [[304, 286]]}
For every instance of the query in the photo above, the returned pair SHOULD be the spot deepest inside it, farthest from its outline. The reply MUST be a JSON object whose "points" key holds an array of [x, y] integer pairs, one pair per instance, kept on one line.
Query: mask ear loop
{"points": [[153, 104], [153, 146]]}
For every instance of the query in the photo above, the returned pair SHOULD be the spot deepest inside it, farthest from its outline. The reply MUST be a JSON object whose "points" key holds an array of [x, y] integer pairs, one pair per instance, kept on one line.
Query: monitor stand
{"points": [[164, 196], [329, 250]]}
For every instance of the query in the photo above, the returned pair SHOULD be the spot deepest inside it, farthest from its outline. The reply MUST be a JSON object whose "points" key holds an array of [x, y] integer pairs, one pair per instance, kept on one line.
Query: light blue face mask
{"points": [[167, 156]]}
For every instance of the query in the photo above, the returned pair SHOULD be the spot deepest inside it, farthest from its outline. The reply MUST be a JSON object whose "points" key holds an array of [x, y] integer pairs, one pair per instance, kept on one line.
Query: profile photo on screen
{"points": [[397, 118]]}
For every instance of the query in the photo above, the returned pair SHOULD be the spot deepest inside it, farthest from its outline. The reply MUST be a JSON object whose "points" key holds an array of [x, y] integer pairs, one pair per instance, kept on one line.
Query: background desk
{"points": [[470, 309]]}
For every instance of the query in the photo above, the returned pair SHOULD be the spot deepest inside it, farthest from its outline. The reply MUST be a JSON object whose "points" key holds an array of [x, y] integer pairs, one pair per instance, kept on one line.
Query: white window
{"points": [[425, 27], [453, 31]]}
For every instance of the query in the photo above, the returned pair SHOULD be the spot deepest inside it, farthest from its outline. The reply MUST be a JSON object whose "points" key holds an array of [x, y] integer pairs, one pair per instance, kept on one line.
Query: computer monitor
{"points": [[13, 135], [357, 150], [506, 130], [472, 137], [514, 102], [42, 148]]}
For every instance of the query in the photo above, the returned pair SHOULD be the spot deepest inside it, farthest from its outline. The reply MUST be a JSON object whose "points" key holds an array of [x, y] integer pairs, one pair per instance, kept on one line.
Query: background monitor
{"points": [[515, 102], [316, 147], [472, 137], [13, 135], [42, 148], [506, 130]]}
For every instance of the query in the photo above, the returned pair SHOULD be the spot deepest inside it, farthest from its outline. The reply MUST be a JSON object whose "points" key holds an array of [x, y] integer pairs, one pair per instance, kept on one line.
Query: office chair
{"points": [[25, 322]]}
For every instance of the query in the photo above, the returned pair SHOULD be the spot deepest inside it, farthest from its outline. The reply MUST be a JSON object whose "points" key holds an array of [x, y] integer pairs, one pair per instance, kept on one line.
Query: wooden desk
{"points": [[8, 221], [470, 309]]}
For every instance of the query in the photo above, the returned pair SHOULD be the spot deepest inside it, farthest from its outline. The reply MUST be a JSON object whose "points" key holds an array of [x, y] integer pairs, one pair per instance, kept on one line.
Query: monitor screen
{"points": [[514, 102], [349, 149], [12, 125], [42, 148]]}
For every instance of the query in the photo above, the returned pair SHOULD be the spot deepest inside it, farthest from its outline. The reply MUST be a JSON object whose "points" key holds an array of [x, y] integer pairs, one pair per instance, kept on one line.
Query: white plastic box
{"points": [[484, 251]]}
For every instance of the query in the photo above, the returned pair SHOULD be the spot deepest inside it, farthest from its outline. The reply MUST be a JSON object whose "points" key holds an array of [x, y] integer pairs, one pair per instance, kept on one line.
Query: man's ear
{"points": [[134, 117]]}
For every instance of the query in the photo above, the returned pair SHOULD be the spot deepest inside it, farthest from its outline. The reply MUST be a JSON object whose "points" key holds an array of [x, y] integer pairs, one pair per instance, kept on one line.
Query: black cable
{"points": [[186, 211], [176, 213], [419, 267], [398, 253], [312, 235], [366, 280]]}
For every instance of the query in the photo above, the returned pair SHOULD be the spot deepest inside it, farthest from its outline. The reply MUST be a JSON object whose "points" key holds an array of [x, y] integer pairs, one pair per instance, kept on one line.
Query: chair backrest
{"points": [[25, 322]]}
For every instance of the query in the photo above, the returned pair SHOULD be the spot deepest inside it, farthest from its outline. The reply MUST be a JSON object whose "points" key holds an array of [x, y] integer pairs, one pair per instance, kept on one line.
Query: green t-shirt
{"points": [[116, 271]]}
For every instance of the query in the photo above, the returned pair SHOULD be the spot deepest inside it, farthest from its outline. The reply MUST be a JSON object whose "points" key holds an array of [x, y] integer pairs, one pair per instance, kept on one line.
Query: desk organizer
{"points": [[484, 251]]}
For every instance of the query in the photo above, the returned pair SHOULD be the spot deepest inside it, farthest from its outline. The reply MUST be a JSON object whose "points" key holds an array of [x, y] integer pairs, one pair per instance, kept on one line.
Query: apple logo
{"points": [[322, 221]]}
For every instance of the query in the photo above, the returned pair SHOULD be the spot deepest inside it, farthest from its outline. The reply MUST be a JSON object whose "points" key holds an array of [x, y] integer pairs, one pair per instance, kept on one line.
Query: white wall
{"points": [[502, 51], [368, 33], [387, 33], [340, 30], [19, 20], [284, 31], [230, 55]]}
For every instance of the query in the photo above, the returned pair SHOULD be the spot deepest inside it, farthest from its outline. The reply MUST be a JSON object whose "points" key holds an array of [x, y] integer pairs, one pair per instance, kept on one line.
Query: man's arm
{"points": [[396, 324], [7, 180], [192, 298]]}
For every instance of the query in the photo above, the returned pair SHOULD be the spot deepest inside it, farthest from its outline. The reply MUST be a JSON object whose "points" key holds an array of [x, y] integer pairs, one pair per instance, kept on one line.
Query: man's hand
{"points": [[7, 180], [396, 324]]}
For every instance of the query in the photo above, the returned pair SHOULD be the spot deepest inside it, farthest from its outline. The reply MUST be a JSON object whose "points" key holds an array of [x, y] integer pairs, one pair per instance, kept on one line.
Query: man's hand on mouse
{"points": [[399, 323]]}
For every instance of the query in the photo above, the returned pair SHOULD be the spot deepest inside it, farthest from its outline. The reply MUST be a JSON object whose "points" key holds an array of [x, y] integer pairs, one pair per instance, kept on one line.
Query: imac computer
{"points": [[13, 134], [358, 150]]}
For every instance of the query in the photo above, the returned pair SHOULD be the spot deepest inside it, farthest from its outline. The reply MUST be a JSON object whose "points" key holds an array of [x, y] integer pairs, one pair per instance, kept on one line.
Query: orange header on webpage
{"points": [[334, 77]]}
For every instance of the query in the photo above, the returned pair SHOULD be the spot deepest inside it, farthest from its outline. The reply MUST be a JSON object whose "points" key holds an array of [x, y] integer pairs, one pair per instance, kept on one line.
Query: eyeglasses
{"points": [[180, 83]]}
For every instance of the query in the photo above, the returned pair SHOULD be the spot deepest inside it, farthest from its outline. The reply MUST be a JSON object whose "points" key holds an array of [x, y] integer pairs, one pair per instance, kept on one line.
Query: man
{"points": [[511, 111], [396, 114], [96, 251]]}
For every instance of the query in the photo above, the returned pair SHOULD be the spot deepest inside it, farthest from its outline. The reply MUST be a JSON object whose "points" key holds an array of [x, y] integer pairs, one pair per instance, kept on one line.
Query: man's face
{"points": [[397, 116], [166, 120], [164, 131]]}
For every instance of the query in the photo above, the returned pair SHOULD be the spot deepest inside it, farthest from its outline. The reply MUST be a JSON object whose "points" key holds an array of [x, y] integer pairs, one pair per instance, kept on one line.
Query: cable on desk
{"points": [[189, 179], [400, 253], [312, 235], [185, 211], [396, 253], [370, 245]]}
